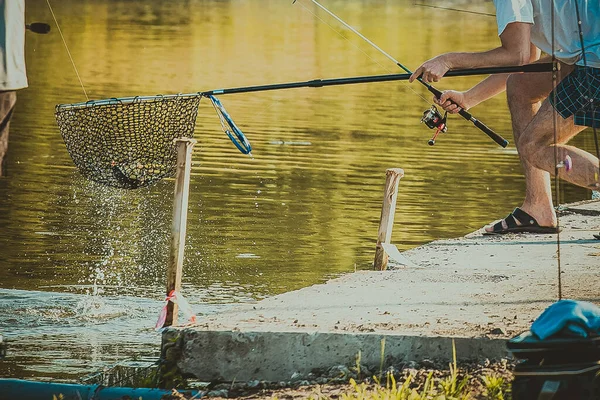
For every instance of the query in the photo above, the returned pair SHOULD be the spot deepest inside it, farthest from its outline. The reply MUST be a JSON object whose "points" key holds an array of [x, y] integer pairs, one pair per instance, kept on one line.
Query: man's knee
{"points": [[528, 147]]}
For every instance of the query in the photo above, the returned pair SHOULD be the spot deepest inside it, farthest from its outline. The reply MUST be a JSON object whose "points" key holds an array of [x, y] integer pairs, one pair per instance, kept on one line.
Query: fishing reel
{"points": [[434, 120]]}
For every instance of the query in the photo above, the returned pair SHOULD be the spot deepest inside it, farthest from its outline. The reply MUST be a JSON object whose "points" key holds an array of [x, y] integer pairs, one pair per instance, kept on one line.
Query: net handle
{"points": [[234, 133]]}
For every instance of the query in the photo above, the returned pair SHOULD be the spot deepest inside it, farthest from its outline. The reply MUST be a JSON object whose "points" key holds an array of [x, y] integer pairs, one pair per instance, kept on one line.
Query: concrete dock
{"points": [[476, 290]]}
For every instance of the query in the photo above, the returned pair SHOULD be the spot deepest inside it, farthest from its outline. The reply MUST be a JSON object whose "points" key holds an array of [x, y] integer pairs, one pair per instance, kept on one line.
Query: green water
{"points": [[304, 209]]}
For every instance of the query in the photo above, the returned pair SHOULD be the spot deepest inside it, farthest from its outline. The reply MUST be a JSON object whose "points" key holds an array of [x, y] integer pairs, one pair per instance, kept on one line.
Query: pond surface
{"points": [[82, 267]]}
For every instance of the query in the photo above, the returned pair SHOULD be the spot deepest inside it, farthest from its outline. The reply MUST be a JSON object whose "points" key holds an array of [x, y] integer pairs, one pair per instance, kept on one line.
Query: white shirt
{"points": [[12, 45], [567, 46]]}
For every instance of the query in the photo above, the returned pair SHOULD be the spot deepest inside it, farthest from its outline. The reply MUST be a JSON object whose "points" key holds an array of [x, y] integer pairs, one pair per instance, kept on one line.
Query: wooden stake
{"points": [[178, 229], [386, 223]]}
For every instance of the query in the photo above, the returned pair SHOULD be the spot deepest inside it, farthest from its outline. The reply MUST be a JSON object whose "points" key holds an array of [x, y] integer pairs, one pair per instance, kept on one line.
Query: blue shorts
{"points": [[572, 96]]}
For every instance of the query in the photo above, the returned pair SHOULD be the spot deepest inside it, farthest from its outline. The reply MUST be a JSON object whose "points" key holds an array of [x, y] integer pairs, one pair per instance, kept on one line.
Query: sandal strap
{"points": [[524, 218], [517, 219], [498, 228], [511, 221]]}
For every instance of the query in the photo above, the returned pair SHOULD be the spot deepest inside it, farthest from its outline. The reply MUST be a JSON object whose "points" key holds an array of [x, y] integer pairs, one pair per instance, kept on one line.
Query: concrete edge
{"points": [[277, 356]]}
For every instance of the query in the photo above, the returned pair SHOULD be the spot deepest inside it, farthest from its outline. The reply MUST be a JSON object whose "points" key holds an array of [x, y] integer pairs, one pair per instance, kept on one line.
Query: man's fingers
{"points": [[448, 102], [416, 74], [425, 74], [430, 77], [453, 108]]}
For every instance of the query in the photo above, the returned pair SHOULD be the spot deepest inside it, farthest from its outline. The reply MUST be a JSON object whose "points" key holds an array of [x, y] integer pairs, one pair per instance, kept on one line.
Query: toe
{"points": [[490, 228]]}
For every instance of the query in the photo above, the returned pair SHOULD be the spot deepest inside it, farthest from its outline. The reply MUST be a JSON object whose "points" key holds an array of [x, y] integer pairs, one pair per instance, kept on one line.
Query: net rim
{"points": [[126, 100]]}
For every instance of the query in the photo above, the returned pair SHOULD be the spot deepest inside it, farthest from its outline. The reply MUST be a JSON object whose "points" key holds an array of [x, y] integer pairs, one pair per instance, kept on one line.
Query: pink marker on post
{"points": [[568, 163]]}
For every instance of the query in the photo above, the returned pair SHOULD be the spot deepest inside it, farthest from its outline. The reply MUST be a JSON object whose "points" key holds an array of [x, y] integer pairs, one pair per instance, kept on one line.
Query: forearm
{"points": [[515, 50], [497, 57], [494, 84], [486, 89]]}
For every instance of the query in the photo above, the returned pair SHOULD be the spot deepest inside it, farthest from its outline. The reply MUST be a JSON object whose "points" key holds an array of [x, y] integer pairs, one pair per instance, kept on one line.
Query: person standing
{"points": [[12, 65], [526, 30]]}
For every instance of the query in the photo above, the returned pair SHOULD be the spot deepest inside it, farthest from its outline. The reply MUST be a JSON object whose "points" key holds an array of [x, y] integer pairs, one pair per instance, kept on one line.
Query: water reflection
{"points": [[305, 212]]}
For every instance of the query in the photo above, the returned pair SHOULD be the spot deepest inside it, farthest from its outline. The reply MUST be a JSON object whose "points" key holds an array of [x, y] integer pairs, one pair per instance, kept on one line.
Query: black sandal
{"points": [[520, 222]]}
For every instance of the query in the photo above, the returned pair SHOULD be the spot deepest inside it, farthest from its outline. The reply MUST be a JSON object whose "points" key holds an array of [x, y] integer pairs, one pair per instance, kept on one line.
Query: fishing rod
{"points": [[241, 142], [38, 27], [542, 67], [432, 118], [455, 9], [237, 136]]}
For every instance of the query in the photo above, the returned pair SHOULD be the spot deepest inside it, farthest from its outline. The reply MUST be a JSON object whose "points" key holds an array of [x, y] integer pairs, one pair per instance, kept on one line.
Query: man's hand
{"points": [[431, 70], [452, 101]]}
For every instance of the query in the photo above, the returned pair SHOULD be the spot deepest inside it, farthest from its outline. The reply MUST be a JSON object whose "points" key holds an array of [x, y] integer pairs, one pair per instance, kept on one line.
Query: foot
{"points": [[519, 222]]}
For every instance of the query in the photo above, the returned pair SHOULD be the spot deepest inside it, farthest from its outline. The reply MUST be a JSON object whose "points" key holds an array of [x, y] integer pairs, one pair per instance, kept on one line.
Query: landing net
{"points": [[127, 142]]}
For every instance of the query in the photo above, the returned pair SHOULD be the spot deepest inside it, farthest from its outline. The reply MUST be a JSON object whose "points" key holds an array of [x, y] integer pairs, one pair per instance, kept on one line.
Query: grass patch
{"points": [[456, 385]]}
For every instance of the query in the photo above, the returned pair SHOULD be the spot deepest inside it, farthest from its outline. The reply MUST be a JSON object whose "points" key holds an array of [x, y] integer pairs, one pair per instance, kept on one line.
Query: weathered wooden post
{"points": [[386, 223], [178, 229]]}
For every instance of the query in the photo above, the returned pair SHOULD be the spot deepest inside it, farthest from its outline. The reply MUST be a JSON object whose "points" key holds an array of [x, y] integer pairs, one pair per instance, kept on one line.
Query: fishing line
{"points": [[356, 46], [556, 165], [437, 93], [455, 9], [272, 104], [67, 48]]}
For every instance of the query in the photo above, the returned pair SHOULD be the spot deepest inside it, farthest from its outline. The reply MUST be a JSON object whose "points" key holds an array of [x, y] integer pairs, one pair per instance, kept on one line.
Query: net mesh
{"points": [[127, 143]]}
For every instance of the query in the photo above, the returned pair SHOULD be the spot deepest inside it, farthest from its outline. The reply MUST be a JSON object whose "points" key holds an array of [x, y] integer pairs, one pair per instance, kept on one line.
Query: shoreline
{"points": [[477, 290]]}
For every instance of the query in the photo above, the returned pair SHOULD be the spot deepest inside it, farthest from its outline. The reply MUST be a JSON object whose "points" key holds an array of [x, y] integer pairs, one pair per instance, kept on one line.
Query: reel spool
{"points": [[434, 120]]}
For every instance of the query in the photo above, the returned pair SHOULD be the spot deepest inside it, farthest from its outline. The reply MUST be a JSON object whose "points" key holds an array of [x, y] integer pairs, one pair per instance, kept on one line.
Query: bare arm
{"points": [[514, 50], [452, 101]]}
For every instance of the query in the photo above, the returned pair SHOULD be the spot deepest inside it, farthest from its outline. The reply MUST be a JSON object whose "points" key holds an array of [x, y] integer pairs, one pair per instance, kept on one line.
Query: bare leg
{"points": [[537, 146], [525, 93]]}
